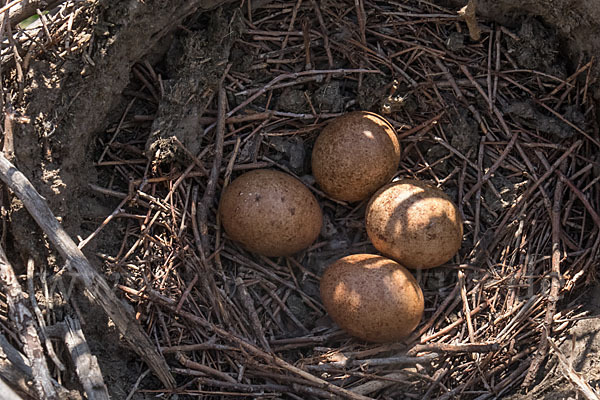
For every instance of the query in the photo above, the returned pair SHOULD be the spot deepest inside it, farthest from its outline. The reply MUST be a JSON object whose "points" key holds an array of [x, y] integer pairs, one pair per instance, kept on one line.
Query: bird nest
{"points": [[491, 115]]}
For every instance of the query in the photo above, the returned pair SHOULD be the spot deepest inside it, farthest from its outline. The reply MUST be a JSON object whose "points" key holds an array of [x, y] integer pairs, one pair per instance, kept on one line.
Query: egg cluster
{"points": [[412, 223]]}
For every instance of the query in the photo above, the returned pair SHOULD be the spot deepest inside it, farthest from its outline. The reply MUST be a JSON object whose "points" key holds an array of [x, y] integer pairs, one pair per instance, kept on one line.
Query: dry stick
{"points": [[572, 375], [3, 28], [376, 385], [456, 348], [465, 302], [554, 288], [86, 365], [94, 283], [261, 389], [489, 70], [324, 33], [137, 384], [581, 197], [480, 155], [19, 10], [460, 95], [9, 143], [7, 392], [497, 67], [492, 169], [255, 351], [14, 356], [290, 26], [40, 317], [25, 324], [437, 376], [436, 314], [186, 362], [14, 368], [211, 186], [362, 20], [427, 124], [570, 78], [399, 360], [530, 190], [454, 324], [306, 37], [495, 109], [209, 194], [553, 112], [293, 75], [249, 305], [116, 211], [210, 345]]}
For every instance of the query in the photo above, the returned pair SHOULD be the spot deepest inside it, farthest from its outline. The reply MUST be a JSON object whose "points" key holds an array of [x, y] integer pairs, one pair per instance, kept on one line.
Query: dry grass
{"points": [[232, 323]]}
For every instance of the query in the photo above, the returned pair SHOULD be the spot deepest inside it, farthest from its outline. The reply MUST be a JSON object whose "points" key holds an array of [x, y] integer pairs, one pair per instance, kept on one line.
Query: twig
{"points": [[25, 324], [465, 303], [572, 375], [209, 193], [137, 384], [94, 283], [324, 32], [492, 169], [554, 287], [455, 348], [18, 10], [254, 320], [40, 317], [376, 385], [249, 347], [399, 360], [86, 365], [581, 197], [203, 368], [293, 75], [14, 368]]}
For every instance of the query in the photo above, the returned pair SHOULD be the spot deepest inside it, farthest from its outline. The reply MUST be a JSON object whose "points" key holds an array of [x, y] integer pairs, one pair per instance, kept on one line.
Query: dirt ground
{"points": [[106, 101]]}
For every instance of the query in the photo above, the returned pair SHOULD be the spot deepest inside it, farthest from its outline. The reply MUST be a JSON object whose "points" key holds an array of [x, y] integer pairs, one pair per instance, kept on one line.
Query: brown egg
{"points": [[414, 223], [270, 213], [355, 155], [372, 297]]}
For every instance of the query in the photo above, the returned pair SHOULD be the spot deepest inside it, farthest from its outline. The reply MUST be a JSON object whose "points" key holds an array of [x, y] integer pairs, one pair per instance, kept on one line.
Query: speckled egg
{"points": [[372, 297], [355, 155], [270, 213], [414, 223]]}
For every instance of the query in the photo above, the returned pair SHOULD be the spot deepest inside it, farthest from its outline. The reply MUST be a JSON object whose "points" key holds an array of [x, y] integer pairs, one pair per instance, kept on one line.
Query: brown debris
{"points": [[487, 311], [468, 12], [233, 323]]}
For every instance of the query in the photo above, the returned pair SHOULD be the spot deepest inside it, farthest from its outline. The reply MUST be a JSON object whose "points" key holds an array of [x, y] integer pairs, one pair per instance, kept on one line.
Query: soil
{"points": [[73, 102]]}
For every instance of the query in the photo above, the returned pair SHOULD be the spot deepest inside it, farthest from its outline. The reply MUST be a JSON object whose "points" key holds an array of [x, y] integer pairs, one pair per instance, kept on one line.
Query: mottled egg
{"points": [[355, 155], [372, 297], [414, 223], [270, 213]]}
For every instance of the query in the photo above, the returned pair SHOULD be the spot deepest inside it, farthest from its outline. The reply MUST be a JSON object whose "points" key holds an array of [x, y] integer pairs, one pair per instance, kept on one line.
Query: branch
{"points": [[7, 392], [25, 324], [86, 365], [11, 371], [94, 283], [19, 10]]}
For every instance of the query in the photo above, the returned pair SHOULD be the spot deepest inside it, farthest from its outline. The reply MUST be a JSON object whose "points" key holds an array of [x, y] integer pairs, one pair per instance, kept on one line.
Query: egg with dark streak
{"points": [[270, 212]]}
